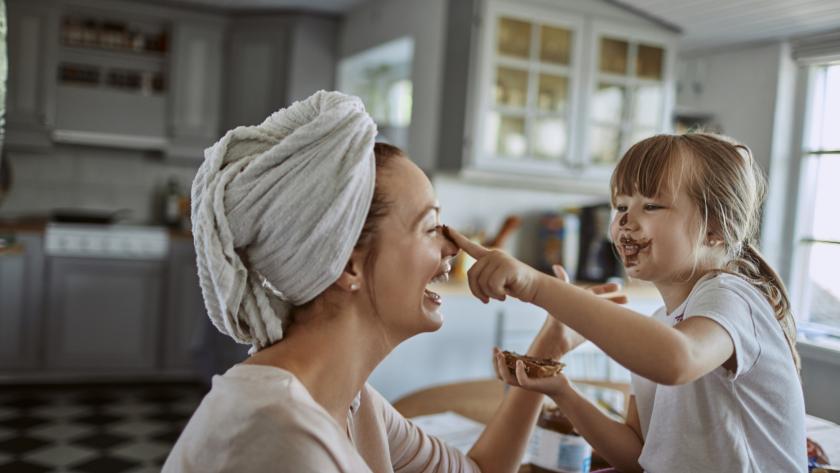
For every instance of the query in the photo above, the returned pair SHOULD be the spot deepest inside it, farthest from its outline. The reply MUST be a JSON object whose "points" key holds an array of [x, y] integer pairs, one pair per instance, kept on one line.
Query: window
{"points": [[815, 280]]}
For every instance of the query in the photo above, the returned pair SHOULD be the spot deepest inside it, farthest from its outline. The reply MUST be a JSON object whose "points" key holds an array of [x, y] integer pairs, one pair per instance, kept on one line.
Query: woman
{"points": [[316, 246]]}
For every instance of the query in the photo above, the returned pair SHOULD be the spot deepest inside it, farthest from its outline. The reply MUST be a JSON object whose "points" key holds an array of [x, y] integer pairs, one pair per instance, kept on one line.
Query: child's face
{"points": [[656, 237]]}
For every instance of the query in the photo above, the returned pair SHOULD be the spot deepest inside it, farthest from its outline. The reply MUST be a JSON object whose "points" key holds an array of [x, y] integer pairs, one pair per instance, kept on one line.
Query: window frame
{"points": [[800, 220]]}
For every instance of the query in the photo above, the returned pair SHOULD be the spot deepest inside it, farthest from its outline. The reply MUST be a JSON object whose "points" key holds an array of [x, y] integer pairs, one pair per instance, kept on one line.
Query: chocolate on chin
{"points": [[534, 367]]}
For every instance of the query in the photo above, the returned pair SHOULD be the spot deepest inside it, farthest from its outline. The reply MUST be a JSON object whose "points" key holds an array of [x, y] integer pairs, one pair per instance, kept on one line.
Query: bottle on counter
{"points": [[172, 213]]}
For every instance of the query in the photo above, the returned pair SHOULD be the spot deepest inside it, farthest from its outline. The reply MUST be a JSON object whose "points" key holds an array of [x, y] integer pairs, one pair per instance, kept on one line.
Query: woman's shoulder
{"points": [[257, 395]]}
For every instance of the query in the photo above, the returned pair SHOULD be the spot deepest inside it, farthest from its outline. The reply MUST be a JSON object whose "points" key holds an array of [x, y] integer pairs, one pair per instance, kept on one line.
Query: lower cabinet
{"points": [[184, 315], [102, 314], [21, 276]]}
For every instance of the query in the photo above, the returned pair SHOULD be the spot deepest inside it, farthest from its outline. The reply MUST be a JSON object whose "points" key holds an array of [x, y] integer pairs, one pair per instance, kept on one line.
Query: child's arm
{"points": [[619, 443], [651, 349]]}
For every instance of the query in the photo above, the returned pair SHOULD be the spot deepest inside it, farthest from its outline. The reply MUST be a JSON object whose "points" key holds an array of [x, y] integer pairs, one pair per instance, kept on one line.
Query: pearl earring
{"points": [[354, 287]]}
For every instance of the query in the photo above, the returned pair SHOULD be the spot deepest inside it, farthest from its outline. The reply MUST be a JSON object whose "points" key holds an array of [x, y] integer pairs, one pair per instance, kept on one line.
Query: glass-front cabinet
{"points": [[533, 67], [628, 91], [565, 93]]}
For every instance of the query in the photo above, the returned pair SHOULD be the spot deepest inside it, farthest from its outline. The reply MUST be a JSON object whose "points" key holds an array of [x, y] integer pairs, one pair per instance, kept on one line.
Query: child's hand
{"points": [[556, 387], [495, 274]]}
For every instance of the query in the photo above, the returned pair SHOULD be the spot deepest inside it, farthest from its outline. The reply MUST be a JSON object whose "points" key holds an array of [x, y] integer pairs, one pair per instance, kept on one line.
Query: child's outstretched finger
{"points": [[470, 247]]}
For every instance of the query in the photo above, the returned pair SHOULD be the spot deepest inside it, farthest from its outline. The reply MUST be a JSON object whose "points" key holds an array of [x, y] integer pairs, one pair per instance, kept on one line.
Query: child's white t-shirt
{"points": [[752, 420]]}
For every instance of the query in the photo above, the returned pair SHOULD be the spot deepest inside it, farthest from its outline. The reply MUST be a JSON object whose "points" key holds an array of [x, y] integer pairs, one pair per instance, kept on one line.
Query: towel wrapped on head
{"points": [[277, 209]]}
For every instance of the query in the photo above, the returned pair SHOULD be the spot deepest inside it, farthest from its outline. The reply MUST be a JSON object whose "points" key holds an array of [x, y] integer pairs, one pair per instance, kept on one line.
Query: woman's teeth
{"points": [[435, 297]]}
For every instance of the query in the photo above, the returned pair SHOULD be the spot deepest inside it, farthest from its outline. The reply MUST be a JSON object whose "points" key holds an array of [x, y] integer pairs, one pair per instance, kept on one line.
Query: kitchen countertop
{"points": [[39, 225]]}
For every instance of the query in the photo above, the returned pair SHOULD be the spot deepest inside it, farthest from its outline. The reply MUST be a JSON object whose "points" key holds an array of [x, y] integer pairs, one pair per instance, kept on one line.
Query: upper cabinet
{"points": [[196, 82], [532, 67], [561, 90], [113, 73], [31, 46], [629, 90]]}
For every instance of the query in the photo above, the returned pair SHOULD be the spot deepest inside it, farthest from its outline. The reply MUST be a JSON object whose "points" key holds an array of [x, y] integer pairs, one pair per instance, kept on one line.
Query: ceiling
{"points": [[704, 23]]}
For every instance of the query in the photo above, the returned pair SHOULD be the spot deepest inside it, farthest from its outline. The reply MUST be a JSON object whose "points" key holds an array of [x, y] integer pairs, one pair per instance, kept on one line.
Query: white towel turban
{"points": [[277, 209]]}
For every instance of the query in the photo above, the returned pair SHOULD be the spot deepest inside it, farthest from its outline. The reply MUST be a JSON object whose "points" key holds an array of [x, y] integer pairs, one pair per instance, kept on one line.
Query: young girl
{"points": [[715, 372]]}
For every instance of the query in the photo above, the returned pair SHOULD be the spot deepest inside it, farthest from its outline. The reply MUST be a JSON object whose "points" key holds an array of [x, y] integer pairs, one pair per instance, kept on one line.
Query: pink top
{"points": [[261, 418]]}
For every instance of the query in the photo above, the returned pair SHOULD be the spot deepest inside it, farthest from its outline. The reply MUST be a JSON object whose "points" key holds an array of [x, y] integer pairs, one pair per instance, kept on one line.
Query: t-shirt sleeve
{"points": [[725, 303], [414, 451]]}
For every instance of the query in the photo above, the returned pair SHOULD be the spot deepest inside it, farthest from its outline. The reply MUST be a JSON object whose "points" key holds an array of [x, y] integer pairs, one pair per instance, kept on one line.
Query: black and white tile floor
{"points": [[93, 429]]}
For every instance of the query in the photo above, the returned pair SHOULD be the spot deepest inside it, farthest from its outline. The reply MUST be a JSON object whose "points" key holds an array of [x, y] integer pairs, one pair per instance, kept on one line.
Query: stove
{"points": [[106, 241]]}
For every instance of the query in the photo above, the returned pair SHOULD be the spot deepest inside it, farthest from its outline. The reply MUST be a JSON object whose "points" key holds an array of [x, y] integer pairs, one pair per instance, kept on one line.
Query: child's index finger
{"points": [[470, 247]]}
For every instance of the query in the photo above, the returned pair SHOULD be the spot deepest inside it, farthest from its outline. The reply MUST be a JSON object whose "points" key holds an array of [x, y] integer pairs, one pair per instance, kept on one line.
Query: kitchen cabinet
{"points": [[114, 73], [21, 276], [102, 315], [274, 60], [196, 76], [184, 313], [561, 90], [32, 41]]}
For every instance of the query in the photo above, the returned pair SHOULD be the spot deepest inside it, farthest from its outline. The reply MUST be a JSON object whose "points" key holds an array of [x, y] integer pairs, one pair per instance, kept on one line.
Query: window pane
{"points": [[824, 116], [821, 294], [613, 56], [648, 106], [553, 93], [555, 45], [550, 137], [511, 87], [826, 224], [604, 144], [514, 37], [608, 103], [506, 135], [649, 62]]}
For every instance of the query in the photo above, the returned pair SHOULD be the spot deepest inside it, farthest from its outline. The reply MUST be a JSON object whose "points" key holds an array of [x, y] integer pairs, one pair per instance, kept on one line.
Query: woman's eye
{"points": [[621, 208], [436, 229], [652, 207]]}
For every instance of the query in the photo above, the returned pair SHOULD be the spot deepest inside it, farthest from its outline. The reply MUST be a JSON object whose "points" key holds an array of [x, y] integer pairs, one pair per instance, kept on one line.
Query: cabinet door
{"points": [[630, 93], [103, 314], [31, 49], [532, 66], [196, 69], [21, 275], [460, 350], [256, 65], [185, 313]]}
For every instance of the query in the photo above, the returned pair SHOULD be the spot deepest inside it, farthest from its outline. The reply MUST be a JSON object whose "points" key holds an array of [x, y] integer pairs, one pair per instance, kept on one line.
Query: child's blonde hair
{"points": [[723, 180]]}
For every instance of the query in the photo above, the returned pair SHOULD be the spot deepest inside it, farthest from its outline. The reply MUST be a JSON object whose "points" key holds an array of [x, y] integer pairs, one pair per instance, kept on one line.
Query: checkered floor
{"points": [[113, 429]]}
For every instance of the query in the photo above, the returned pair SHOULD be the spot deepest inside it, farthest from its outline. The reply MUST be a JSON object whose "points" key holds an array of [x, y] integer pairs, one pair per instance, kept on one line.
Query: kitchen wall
{"points": [[749, 90], [475, 207], [91, 178], [377, 22]]}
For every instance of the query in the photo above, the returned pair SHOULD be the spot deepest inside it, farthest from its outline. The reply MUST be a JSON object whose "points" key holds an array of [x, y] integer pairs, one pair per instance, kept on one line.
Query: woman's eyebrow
{"points": [[425, 211]]}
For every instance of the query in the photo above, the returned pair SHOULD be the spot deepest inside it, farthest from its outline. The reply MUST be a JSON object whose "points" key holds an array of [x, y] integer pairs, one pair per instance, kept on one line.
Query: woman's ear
{"points": [[352, 277]]}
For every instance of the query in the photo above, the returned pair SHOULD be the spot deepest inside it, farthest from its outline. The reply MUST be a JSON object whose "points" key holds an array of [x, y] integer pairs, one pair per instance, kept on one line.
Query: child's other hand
{"points": [[495, 274], [557, 386]]}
